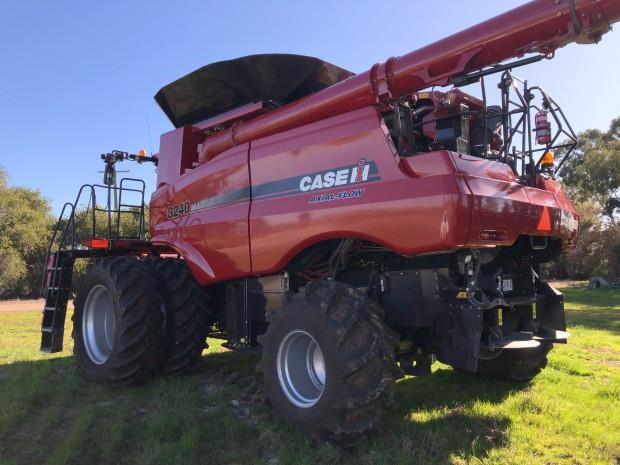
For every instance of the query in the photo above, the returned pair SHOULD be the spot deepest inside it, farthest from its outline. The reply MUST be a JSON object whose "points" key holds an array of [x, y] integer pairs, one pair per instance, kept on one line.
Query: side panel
{"points": [[500, 203], [340, 178], [208, 223], [177, 152]]}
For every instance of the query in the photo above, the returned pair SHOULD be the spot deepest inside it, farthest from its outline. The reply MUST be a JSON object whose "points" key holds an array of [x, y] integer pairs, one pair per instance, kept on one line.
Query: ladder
{"points": [[58, 274]]}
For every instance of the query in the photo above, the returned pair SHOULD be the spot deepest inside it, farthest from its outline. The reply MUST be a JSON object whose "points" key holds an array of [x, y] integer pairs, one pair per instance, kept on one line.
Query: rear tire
{"points": [[516, 365], [188, 315], [117, 322], [328, 362]]}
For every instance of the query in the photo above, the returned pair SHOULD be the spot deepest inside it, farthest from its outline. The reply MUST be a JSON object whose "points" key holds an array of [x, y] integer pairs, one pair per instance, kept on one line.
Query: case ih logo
{"points": [[342, 177]]}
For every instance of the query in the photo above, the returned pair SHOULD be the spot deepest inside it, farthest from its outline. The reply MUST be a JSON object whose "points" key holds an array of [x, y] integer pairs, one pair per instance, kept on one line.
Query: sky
{"points": [[77, 78]]}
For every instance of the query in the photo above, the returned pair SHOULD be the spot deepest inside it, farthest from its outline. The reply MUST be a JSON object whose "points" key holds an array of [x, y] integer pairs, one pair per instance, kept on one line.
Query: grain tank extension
{"points": [[347, 228]]}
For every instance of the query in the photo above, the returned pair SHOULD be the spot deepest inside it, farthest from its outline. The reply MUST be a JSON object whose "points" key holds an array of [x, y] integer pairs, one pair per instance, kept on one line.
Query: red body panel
{"points": [[214, 238], [432, 202], [247, 198], [407, 215], [502, 204]]}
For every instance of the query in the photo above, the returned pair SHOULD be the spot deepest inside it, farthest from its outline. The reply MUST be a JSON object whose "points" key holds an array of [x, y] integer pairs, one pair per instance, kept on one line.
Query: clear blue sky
{"points": [[77, 78]]}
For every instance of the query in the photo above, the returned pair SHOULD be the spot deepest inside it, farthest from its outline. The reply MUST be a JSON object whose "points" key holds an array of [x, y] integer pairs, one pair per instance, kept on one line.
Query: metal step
{"points": [[51, 340], [51, 308], [516, 340], [545, 334], [511, 344]]}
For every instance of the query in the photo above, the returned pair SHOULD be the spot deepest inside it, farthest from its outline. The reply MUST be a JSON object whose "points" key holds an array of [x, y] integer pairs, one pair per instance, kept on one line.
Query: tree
{"points": [[593, 171], [597, 252], [592, 177], [25, 222]]}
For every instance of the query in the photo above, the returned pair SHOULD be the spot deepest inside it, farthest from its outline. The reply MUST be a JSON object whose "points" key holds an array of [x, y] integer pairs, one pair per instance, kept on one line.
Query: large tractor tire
{"points": [[117, 322], [517, 364], [188, 315], [328, 362]]}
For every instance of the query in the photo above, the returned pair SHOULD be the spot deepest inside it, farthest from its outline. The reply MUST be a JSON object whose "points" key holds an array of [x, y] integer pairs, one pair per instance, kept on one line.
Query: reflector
{"points": [[544, 224], [97, 243]]}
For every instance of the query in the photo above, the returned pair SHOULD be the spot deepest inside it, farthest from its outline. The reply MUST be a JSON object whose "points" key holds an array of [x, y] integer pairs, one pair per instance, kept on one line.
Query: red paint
{"points": [[433, 202], [177, 154], [247, 111], [214, 241], [97, 243]]}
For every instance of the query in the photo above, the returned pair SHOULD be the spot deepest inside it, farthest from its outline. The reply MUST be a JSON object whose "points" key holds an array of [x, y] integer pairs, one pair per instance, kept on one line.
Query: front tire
{"points": [[117, 322], [328, 362]]}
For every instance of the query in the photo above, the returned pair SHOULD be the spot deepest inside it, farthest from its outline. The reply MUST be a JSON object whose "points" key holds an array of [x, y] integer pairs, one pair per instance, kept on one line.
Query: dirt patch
{"points": [[25, 305], [562, 283]]}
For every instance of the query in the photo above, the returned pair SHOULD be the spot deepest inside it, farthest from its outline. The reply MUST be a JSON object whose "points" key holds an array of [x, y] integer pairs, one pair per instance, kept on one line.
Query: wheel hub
{"points": [[98, 324], [301, 369]]}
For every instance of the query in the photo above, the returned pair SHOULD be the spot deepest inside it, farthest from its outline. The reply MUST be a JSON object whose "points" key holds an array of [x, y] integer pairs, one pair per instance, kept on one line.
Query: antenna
{"points": [[148, 130]]}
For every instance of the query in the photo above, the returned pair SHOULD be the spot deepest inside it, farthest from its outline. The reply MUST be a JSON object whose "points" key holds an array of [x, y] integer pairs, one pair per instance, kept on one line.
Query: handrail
{"points": [[66, 240]]}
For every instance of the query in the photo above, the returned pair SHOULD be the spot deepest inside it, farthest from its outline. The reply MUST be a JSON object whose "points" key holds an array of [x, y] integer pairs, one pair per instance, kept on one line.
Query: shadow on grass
{"points": [[435, 417], [594, 310], [48, 410]]}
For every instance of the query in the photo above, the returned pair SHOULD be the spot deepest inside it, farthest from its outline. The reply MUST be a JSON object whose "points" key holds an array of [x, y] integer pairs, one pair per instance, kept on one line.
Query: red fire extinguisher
{"points": [[543, 128]]}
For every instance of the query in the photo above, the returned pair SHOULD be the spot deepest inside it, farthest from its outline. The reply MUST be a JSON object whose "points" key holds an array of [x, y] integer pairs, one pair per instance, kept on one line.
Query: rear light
{"points": [[97, 243], [493, 235]]}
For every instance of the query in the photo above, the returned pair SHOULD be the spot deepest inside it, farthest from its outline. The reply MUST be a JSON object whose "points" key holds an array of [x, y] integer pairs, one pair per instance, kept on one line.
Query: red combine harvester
{"points": [[348, 227]]}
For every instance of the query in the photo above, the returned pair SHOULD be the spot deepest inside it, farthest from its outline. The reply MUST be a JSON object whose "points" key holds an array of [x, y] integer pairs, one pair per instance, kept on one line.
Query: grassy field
{"points": [[570, 414]]}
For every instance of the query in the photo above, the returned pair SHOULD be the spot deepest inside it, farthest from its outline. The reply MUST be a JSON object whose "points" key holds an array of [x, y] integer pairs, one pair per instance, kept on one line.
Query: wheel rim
{"points": [[301, 369], [99, 324]]}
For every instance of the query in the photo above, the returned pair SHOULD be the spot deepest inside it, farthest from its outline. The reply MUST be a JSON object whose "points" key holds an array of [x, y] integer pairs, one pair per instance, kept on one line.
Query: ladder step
{"points": [[58, 288], [52, 308], [51, 341]]}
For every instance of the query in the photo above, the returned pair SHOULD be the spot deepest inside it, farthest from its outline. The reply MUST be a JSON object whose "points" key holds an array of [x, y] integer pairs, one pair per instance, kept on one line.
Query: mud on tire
{"points": [[516, 365], [188, 315], [117, 322], [358, 353]]}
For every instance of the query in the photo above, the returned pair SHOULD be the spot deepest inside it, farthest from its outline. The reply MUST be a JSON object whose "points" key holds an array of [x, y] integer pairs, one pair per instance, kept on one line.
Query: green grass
{"points": [[570, 414]]}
